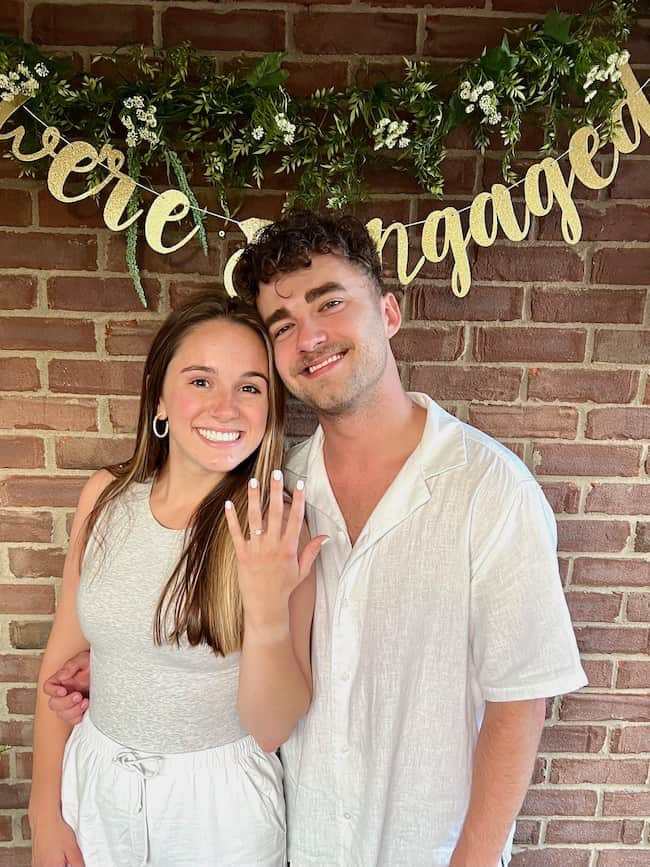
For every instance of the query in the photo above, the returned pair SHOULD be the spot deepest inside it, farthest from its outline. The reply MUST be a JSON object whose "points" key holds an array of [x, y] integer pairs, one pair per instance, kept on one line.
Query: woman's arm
{"points": [[278, 585], [53, 841]]}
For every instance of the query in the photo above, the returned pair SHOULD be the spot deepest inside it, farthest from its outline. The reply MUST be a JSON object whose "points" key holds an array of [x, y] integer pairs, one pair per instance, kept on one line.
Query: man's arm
{"points": [[503, 766]]}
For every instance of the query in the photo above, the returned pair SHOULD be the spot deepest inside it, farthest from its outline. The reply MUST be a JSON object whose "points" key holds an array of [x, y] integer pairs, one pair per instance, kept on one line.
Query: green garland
{"points": [[177, 112]]}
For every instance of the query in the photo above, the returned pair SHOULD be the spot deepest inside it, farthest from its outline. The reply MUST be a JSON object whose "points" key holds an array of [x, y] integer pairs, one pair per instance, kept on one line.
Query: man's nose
{"points": [[310, 336]]}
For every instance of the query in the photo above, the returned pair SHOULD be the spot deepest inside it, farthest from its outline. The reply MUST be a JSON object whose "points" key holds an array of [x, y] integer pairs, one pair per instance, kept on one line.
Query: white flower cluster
{"points": [[482, 95], [21, 81], [389, 133], [258, 133], [338, 200], [285, 126], [146, 129], [611, 72]]}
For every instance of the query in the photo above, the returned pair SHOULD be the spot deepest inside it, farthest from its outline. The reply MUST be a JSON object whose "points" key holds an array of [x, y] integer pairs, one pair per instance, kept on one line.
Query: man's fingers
{"points": [[73, 856], [53, 688], [65, 704], [308, 555]]}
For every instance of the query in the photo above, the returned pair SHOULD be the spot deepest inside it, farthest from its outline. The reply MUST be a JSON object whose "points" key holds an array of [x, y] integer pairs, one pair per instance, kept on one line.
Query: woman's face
{"points": [[215, 396]]}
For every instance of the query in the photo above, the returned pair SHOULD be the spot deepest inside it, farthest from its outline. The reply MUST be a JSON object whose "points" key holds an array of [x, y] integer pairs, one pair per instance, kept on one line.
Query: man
{"points": [[440, 624]]}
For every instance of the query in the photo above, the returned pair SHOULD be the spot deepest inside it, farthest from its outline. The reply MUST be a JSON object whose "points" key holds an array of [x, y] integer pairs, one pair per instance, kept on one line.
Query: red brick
{"points": [[21, 452], [482, 304], [613, 639], [540, 6], [25, 526], [638, 607], [524, 264], [79, 453], [564, 497], [19, 374], [40, 490], [100, 24], [95, 377], [527, 832], [618, 423], [4, 766], [6, 833], [591, 832], [631, 182], [187, 260], [587, 305], [13, 796], [19, 668], [305, 78], [11, 17], [616, 573], [232, 30], [618, 267], [17, 856], [529, 344], [599, 771], [15, 208], [633, 674], [48, 413], [547, 857], [66, 335], [580, 385], [627, 347], [355, 33], [428, 344], [466, 36], [599, 672], [631, 739], [597, 707], [21, 701], [48, 251], [36, 562], [586, 460], [182, 290], [466, 383], [124, 415], [24, 764], [603, 221], [619, 499], [559, 802], [559, 738], [84, 214], [626, 804], [556, 422], [101, 294], [623, 858], [17, 291], [642, 537], [30, 634], [130, 337], [25, 599], [587, 607]]}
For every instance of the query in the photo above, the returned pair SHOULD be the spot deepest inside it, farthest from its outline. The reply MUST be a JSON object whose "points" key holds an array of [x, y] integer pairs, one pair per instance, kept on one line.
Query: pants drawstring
{"points": [[145, 766]]}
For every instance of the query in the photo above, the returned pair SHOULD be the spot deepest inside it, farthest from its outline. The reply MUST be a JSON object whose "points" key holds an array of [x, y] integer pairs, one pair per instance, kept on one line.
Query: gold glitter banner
{"points": [[441, 234]]}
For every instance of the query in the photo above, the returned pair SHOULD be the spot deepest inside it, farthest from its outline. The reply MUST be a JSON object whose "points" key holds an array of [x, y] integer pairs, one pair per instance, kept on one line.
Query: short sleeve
{"points": [[522, 640]]}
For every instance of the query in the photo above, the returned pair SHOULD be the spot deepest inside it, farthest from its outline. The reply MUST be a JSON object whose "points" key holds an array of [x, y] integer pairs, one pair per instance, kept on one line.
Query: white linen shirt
{"points": [[449, 598]]}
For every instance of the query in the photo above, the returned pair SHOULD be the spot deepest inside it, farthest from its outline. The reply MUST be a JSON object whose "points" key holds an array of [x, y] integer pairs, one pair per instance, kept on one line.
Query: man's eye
{"points": [[329, 304], [200, 382], [280, 331]]}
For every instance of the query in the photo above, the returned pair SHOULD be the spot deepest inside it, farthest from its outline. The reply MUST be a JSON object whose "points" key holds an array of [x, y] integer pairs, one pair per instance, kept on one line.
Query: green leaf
{"points": [[268, 73], [557, 26]]}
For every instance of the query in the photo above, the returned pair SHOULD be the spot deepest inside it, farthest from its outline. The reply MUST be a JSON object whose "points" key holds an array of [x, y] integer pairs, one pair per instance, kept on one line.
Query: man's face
{"points": [[330, 331]]}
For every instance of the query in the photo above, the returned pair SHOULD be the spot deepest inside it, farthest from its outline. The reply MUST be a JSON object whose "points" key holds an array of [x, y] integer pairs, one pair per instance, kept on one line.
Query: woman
{"points": [[180, 559]]}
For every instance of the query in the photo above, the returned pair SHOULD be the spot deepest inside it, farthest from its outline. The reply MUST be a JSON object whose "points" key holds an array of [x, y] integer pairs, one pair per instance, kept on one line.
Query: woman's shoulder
{"points": [[94, 487]]}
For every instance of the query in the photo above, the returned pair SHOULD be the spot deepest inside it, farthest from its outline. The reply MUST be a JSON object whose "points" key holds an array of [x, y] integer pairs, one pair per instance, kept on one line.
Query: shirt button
{"points": [[345, 675], [345, 749], [347, 816]]}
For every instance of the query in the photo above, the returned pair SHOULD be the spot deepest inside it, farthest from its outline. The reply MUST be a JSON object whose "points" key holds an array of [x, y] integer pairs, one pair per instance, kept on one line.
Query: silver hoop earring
{"points": [[156, 432]]}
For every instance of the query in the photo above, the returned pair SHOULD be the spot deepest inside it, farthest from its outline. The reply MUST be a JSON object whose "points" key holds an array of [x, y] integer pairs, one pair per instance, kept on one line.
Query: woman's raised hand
{"points": [[274, 559]]}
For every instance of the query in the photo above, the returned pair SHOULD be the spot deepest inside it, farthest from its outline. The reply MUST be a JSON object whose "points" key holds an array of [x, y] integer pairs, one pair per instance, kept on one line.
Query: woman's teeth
{"points": [[216, 436]]}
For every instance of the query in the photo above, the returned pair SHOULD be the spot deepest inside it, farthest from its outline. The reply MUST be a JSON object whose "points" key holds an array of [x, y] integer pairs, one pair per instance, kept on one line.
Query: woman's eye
{"points": [[200, 382], [251, 389]]}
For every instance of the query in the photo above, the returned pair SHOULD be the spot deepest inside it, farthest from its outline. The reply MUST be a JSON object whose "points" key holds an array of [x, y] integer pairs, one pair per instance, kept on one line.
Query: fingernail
{"points": [[253, 483], [228, 504], [300, 485], [325, 541], [277, 475]]}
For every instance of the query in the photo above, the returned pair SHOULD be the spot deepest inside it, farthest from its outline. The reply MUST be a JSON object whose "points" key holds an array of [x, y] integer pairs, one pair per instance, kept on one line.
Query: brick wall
{"points": [[548, 353]]}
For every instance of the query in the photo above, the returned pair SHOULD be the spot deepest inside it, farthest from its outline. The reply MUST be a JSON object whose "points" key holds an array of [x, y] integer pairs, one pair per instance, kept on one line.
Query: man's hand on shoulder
{"points": [[69, 688]]}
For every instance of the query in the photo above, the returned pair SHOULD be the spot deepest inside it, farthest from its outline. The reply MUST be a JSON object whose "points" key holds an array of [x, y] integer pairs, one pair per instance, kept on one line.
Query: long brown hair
{"points": [[201, 600]]}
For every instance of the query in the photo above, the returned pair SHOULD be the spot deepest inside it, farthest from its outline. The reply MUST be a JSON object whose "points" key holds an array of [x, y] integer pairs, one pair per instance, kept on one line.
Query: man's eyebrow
{"points": [[310, 296], [201, 368]]}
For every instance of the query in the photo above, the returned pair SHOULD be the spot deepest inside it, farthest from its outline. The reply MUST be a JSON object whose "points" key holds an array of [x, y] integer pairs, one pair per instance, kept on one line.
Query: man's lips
{"points": [[322, 364]]}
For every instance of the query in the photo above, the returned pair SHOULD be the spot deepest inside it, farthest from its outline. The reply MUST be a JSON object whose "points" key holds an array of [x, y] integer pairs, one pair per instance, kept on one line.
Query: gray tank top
{"points": [[163, 699]]}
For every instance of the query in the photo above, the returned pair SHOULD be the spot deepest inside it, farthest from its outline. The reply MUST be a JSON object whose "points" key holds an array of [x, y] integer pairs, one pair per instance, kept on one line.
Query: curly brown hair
{"points": [[289, 243]]}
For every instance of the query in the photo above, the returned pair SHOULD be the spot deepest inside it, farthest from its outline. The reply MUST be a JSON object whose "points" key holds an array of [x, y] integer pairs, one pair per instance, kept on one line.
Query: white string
{"points": [[521, 180], [205, 212]]}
